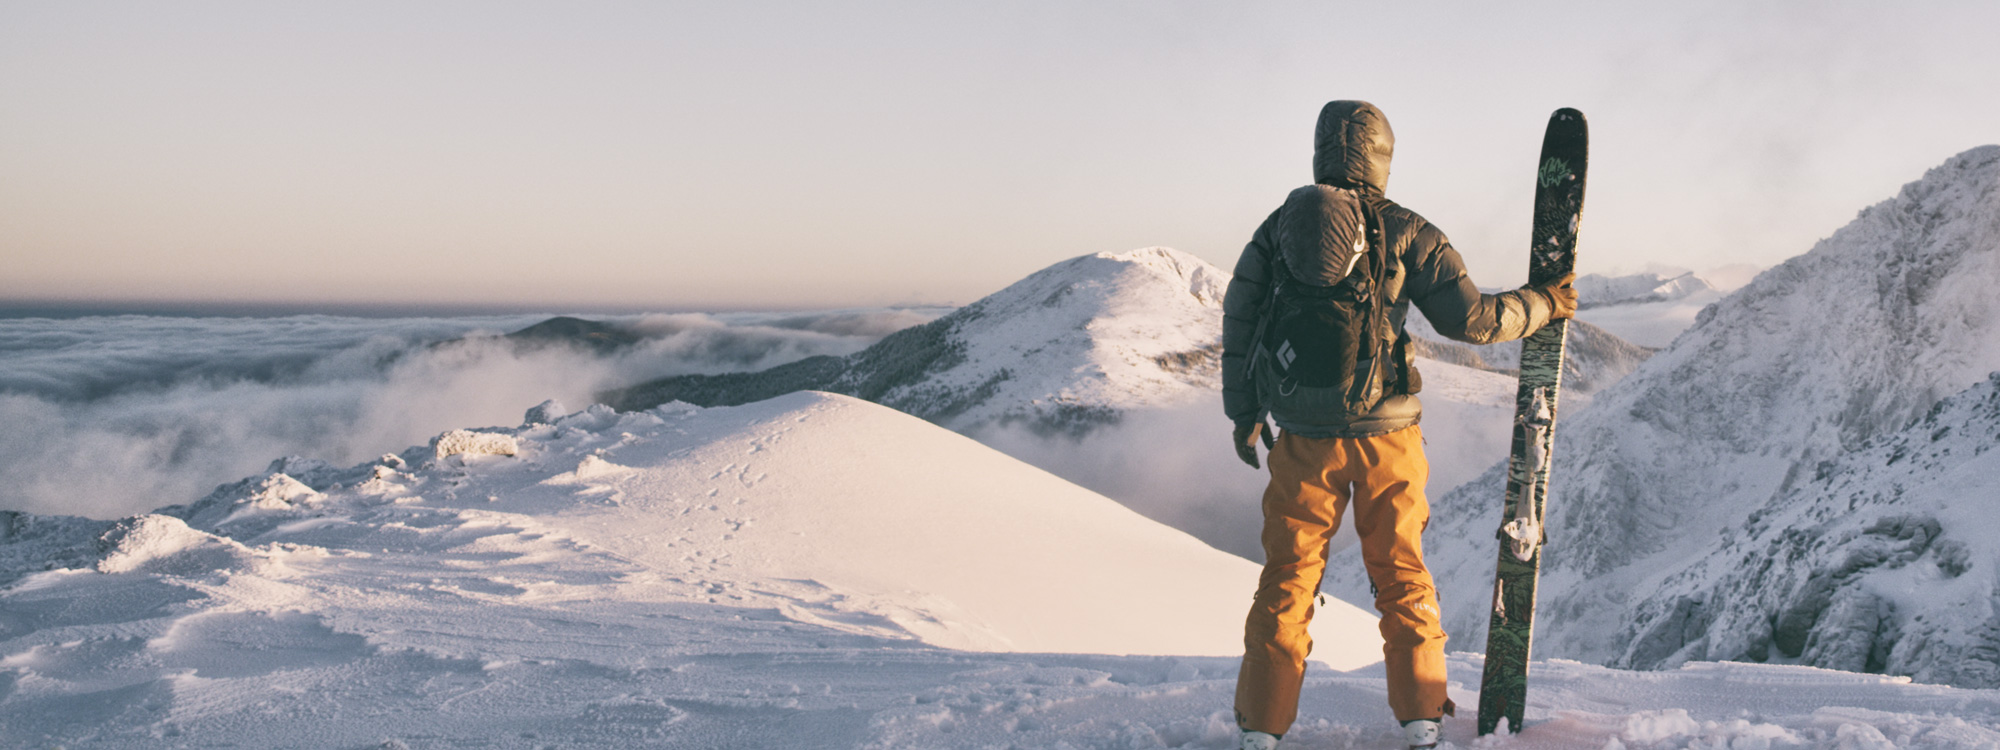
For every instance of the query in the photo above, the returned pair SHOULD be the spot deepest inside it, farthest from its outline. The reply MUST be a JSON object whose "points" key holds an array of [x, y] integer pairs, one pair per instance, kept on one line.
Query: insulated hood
{"points": [[1352, 146]]}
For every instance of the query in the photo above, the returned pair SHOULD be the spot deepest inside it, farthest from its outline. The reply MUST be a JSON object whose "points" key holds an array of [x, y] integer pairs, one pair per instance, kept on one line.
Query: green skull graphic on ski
{"points": [[1552, 254]]}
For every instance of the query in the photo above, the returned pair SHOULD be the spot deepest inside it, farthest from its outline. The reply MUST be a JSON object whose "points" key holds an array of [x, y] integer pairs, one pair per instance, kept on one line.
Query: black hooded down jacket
{"points": [[1351, 149]]}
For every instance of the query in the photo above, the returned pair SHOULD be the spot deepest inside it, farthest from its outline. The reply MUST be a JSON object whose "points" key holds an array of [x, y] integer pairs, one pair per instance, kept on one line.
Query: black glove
{"points": [[1246, 441]]}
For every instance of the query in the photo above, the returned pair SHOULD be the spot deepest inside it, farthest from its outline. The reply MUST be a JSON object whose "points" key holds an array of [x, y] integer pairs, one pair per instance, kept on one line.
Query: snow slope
{"points": [[1818, 356]]}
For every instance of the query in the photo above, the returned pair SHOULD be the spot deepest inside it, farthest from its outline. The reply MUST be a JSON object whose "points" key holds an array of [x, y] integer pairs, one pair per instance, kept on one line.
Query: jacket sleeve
{"points": [[1440, 288], [1243, 307]]}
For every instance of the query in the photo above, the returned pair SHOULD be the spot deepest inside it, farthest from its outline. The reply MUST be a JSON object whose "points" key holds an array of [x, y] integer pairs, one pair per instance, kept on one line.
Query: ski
{"points": [[1503, 689]]}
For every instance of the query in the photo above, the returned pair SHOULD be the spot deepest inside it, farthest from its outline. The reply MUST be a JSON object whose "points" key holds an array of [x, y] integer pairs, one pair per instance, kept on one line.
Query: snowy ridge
{"points": [[1853, 340], [1069, 348]]}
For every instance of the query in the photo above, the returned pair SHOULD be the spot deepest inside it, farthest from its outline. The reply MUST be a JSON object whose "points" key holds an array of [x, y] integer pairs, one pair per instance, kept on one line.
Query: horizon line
{"points": [[64, 308]]}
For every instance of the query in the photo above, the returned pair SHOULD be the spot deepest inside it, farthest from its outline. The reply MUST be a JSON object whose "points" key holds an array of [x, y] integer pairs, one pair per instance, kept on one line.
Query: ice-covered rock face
{"points": [[1851, 341], [1857, 337], [1884, 561]]}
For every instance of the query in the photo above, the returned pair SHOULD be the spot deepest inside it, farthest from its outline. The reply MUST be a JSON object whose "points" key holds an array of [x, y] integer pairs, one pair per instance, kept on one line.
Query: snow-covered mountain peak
{"points": [[1075, 342], [1109, 283], [1065, 350]]}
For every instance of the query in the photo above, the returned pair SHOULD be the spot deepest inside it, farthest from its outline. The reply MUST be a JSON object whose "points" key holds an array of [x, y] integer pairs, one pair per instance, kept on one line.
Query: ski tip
{"points": [[1566, 113]]}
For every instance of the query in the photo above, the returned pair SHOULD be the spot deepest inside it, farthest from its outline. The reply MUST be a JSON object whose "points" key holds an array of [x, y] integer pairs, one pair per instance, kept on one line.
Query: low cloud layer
{"points": [[113, 416], [1176, 465]]}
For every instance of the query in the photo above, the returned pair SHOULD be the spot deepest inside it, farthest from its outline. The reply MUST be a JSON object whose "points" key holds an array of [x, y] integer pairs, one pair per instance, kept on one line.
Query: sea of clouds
{"points": [[114, 415]]}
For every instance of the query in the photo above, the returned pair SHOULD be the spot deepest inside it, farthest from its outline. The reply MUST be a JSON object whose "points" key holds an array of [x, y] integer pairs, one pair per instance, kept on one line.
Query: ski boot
{"points": [[1421, 734], [1258, 741]]}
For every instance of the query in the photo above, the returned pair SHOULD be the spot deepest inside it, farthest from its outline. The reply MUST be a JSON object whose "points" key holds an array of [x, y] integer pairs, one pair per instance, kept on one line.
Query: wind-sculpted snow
{"points": [[1811, 361]]}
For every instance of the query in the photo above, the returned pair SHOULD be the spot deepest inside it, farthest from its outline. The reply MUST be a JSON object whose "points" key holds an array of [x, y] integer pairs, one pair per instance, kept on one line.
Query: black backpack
{"points": [[1323, 344]]}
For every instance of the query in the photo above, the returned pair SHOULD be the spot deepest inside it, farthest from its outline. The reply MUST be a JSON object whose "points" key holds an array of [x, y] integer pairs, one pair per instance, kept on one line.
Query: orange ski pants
{"points": [[1312, 480]]}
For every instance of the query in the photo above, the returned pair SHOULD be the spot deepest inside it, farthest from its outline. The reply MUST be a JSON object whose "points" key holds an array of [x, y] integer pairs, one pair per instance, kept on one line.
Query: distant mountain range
{"points": [[1593, 357], [1595, 290]]}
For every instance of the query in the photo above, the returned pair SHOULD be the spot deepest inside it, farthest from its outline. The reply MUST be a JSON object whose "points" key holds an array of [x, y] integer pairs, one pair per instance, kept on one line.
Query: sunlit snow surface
{"points": [[437, 589], [781, 574]]}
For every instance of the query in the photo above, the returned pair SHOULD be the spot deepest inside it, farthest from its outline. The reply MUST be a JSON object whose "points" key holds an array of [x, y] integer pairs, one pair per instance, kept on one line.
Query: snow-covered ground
{"points": [[813, 571]]}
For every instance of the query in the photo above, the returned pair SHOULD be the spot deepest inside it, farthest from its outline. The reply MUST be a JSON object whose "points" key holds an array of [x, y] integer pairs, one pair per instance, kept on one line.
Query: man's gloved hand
{"points": [[1246, 441], [1562, 297]]}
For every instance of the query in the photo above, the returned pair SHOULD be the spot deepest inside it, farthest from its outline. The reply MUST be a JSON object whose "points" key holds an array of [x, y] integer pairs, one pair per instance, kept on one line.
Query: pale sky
{"points": [[735, 155]]}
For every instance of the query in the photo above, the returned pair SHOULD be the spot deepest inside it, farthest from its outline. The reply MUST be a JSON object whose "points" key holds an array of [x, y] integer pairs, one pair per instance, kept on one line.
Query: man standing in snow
{"points": [[1312, 336]]}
